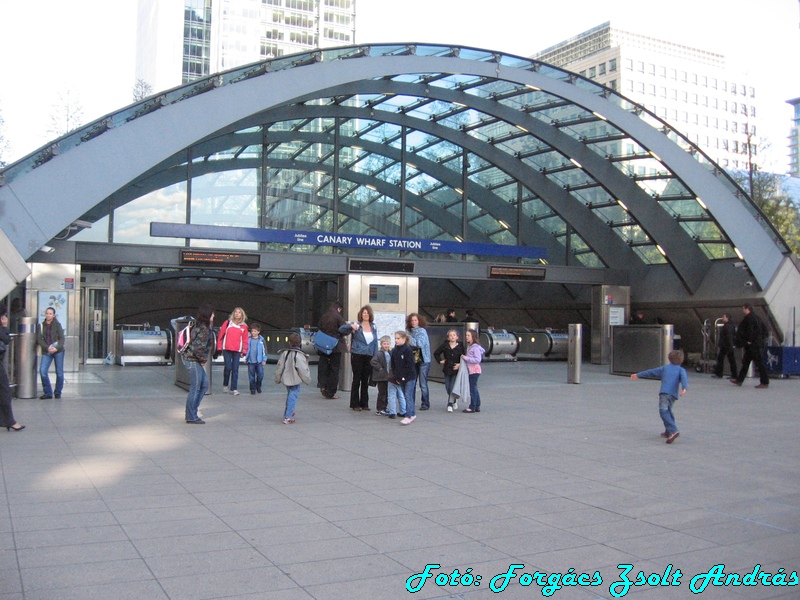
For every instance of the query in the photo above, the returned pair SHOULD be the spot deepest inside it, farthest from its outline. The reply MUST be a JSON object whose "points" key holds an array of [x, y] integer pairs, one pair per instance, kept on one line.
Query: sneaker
{"points": [[424, 407], [403, 415], [235, 392], [760, 386], [664, 434], [258, 390], [392, 416], [288, 421], [449, 409], [197, 422], [671, 437], [405, 421], [455, 405], [383, 413], [224, 388], [252, 392]]}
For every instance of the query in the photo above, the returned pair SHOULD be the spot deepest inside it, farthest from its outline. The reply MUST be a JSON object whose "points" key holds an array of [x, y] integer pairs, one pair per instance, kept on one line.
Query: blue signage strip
{"points": [[344, 240]]}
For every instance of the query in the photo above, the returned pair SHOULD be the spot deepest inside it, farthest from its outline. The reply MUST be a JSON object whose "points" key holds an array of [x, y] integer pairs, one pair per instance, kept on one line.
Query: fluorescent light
{"points": [[660, 249], [503, 224], [575, 162], [701, 203], [739, 254], [622, 204], [521, 128], [599, 116]]}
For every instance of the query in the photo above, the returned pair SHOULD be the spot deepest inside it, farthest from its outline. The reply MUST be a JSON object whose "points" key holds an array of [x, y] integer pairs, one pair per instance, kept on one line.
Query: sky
{"points": [[87, 47]]}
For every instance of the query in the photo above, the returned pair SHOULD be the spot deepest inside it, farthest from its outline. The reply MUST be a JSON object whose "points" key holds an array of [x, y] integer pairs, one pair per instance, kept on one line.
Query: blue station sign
{"points": [[342, 240]]}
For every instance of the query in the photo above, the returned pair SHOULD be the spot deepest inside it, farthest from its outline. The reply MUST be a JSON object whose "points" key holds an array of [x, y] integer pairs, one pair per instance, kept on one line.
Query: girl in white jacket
{"points": [[291, 371]]}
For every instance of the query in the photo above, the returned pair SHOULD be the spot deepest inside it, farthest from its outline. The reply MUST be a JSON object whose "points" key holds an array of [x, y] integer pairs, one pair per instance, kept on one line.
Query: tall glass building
{"points": [[179, 41]]}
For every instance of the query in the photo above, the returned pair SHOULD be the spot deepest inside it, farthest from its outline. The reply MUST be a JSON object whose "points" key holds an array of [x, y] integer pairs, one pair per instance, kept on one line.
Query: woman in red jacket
{"points": [[232, 340]]}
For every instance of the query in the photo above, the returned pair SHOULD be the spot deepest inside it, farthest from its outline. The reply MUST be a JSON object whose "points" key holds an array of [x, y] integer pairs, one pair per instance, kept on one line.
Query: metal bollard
{"points": [[574, 356], [25, 358]]}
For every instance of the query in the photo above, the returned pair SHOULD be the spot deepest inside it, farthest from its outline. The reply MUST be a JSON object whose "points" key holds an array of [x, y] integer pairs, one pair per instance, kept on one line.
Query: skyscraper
{"points": [[690, 88], [182, 40]]}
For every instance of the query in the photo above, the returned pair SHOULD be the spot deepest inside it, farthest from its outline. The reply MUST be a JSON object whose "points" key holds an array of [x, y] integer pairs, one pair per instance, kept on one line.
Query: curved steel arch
{"points": [[115, 150]]}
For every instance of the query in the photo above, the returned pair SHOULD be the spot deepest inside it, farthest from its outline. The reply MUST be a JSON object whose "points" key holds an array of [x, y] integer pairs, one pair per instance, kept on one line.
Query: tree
{"points": [[766, 190], [67, 114], [141, 90], [4, 145]]}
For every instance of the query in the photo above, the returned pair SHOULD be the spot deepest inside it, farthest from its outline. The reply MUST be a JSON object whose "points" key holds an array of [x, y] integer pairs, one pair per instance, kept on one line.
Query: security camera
{"points": [[748, 284], [740, 264], [48, 249], [82, 223]]}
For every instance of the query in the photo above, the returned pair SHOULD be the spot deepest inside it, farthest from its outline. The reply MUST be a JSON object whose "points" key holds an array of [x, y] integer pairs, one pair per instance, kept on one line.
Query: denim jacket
{"points": [[359, 343], [419, 337]]}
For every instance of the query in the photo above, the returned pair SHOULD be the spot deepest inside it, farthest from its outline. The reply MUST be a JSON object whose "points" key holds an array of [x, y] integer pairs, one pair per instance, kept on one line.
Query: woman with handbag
{"points": [[362, 349], [332, 324], [415, 324], [6, 414]]}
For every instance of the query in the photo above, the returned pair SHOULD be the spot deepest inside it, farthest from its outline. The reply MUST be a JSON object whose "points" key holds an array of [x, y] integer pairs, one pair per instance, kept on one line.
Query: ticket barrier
{"points": [[137, 345], [500, 345], [278, 339], [541, 344]]}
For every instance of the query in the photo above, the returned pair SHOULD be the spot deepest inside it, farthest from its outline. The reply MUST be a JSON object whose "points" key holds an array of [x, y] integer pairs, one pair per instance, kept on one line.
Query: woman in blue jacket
{"points": [[363, 348]]}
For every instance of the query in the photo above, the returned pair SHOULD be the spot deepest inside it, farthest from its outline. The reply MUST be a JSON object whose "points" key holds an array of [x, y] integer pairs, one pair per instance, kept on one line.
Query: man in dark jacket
{"points": [[750, 336], [328, 366], [726, 331], [50, 337]]}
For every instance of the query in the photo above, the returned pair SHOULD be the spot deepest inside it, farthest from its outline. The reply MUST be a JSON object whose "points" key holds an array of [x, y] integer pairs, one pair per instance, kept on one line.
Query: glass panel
{"points": [[97, 324], [228, 198], [132, 220]]}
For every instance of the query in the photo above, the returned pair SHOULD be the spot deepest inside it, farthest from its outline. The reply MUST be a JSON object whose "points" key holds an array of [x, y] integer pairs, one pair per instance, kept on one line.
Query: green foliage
{"points": [[778, 207]]}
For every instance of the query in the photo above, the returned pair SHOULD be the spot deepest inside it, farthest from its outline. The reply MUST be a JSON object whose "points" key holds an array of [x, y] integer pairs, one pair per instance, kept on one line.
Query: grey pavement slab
{"points": [[109, 494]]}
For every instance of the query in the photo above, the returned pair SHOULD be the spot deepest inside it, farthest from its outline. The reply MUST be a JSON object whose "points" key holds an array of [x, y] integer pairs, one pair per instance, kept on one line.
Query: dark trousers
{"points": [[721, 356], [328, 373], [755, 354], [6, 414], [359, 389], [382, 403]]}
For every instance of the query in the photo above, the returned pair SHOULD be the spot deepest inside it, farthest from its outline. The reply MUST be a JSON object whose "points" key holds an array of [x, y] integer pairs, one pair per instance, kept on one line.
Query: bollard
{"points": [[25, 358], [574, 357]]}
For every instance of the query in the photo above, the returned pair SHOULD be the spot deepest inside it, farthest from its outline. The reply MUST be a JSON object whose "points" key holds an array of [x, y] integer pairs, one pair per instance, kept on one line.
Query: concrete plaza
{"points": [[108, 494]]}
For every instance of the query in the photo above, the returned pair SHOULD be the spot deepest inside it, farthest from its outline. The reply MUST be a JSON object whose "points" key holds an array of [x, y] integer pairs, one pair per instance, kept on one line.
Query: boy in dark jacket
{"points": [[380, 374]]}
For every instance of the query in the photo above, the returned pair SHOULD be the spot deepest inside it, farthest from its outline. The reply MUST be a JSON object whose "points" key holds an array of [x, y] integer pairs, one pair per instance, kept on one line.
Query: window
{"points": [[662, 91], [704, 100], [640, 87], [629, 85], [673, 94], [651, 69], [704, 81], [662, 71], [612, 84], [582, 73], [714, 82], [629, 64], [592, 72], [734, 127], [733, 88], [693, 78], [733, 107], [673, 74], [694, 98], [640, 66], [752, 111], [602, 68], [612, 65], [651, 89], [684, 76], [743, 109], [752, 92]]}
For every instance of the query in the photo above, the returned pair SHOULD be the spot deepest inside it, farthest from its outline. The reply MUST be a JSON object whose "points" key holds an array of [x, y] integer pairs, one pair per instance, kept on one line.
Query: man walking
{"points": [[750, 336]]}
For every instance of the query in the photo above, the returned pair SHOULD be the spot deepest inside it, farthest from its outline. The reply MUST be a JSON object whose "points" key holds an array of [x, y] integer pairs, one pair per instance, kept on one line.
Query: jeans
{"points": [[665, 402], [231, 372], [424, 395], [449, 381], [292, 394], [407, 389], [475, 396], [44, 367], [395, 394], [198, 386], [256, 373]]}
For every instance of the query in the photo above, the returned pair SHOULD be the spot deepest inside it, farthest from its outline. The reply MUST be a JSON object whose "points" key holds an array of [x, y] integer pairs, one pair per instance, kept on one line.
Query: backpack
{"points": [[184, 337]]}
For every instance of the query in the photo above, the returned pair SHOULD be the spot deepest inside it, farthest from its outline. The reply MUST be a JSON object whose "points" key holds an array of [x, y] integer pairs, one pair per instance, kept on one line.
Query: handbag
{"points": [[3, 347], [324, 343], [417, 354]]}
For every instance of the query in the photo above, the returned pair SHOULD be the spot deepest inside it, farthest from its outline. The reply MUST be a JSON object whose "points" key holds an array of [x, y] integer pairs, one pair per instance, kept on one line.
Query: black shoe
{"points": [[401, 415], [425, 407], [58, 396], [197, 422], [45, 397], [12, 428]]}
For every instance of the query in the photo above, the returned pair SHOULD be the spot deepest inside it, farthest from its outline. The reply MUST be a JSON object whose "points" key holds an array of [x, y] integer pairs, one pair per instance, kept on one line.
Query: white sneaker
{"points": [[235, 392], [225, 388], [455, 405], [405, 421], [449, 409]]}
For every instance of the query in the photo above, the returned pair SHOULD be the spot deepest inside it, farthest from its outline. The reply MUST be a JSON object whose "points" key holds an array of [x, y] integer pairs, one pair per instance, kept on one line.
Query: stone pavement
{"points": [[108, 494]]}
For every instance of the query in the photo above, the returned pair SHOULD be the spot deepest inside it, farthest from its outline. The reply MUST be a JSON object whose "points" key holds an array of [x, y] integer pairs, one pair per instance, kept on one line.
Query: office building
{"points": [[794, 140], [179, 41], [689, 88]]}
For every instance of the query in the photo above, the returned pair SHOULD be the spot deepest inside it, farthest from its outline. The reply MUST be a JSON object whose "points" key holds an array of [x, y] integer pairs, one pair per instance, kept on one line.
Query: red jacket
{"points": [[233, 337]]}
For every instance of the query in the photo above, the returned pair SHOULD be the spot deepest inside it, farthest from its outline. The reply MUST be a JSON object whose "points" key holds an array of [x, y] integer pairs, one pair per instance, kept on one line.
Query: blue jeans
{"points": [[256, 373], [408, 392], [395, 394], [475, 396], [44, 367], [292, 394], [231, 372], [665, 402], [424, 395], [449, 381], [198, 386]]}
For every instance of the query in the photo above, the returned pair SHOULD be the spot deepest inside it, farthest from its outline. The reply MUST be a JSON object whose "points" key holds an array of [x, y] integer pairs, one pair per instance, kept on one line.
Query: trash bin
{"points": [[574, 354], [181, 374], [25, 358]]}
